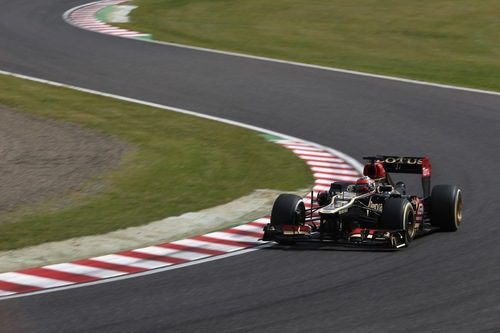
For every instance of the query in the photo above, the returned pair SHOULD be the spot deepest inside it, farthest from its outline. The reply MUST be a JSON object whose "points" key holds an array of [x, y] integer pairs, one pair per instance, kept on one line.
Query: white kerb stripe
{"points": [[95, 272], [161, 251], [94, 25], [327, 164], [6, 293], [132, 261], [233, 237], [341, 171], [335, 178], [294, 142], [111, 30], [328, 170], [89, 20], [305, 147], [207, 245], [262, 220], [31, 280], [322, 159], [305, 152], [246, 227]]}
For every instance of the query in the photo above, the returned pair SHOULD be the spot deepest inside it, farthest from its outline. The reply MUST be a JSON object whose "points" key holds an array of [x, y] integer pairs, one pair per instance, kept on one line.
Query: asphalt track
{"points": [[443, 282]]}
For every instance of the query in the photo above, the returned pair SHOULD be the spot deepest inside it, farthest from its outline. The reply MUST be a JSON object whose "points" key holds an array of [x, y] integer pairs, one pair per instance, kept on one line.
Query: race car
{"points": [[373, 211]]}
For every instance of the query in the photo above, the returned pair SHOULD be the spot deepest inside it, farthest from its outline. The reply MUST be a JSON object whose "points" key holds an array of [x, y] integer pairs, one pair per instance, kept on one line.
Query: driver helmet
{"points": [[364, 185]]}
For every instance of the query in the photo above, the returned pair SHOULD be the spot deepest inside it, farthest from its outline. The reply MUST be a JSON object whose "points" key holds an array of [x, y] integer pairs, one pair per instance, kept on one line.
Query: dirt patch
{"points": [[42, 159]]}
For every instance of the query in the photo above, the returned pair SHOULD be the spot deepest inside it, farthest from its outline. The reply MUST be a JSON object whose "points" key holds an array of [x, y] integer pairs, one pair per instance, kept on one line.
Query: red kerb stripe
{"points": [[58, 275], [147, 256], [224, 241], [312, 154], [243, 232], [106, 265], [256, 224], [191, 249], [17, 288]]}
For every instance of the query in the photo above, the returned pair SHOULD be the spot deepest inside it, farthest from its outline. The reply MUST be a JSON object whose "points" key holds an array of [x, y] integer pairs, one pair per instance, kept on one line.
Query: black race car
{"points": [[373, 211]]}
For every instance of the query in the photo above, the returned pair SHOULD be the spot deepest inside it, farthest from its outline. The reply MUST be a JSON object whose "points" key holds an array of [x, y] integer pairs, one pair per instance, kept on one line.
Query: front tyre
{"points": [[398, 214], [446, 207], [288, 209]]}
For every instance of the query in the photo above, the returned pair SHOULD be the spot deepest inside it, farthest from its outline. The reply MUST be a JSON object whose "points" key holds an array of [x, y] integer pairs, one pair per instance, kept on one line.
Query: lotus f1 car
{"points": [[373, 211]]}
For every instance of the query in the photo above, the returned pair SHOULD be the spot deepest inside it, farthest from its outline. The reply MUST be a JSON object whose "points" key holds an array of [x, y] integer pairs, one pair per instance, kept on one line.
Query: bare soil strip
{"points": [[41, 159]]}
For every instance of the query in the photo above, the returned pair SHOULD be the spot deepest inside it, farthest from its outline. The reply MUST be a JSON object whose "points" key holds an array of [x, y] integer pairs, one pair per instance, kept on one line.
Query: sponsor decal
{"points": [[375, 206], [403, 160]]}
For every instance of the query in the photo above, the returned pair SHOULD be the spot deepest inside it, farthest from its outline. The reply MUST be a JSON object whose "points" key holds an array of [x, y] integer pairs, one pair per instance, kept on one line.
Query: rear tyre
{"points": [[287, 209], [398, 214], [446, 207]]}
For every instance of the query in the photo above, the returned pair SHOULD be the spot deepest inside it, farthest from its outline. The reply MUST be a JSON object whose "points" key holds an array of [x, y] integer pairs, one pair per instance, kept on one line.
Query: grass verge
{"points": [[448, 41], [179, 164]]}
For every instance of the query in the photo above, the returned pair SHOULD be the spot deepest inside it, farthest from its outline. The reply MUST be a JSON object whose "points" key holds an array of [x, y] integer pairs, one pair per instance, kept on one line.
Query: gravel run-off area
{"points": [[42, 160]]}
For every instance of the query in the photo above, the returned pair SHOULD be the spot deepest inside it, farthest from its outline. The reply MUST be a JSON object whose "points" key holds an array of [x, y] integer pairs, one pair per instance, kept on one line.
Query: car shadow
{"points": [[316, 245], [321, 246]]}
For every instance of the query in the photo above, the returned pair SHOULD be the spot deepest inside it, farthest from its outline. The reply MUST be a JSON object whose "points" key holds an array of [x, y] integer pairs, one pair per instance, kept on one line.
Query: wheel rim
{"points": [[410, 224], [458, 209], [299, 213]]}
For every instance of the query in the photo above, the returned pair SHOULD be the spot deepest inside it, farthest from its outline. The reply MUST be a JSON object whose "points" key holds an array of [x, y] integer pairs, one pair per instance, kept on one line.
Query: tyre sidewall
{"points": [[446, 207], [285, 208], [398, 214]]}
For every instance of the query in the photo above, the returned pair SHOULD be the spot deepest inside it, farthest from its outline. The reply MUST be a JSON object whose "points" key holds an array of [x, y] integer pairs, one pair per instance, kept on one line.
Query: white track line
{"points": [[67, 18]]}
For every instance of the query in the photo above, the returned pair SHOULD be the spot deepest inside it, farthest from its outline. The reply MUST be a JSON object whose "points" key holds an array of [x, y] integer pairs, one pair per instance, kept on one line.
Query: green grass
{"points": [[447, 41], [177, 164]]}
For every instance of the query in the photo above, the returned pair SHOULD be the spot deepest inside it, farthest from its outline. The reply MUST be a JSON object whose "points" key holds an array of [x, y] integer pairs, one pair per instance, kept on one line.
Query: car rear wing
{"points": [[407, 164]]}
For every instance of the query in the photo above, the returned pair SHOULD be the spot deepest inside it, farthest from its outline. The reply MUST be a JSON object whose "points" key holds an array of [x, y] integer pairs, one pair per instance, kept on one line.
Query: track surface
{"points": [[444, 282]]}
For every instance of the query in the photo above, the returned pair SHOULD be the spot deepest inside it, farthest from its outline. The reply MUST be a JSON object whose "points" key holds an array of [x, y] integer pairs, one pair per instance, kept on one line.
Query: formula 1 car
{"points": [[373, 211]]}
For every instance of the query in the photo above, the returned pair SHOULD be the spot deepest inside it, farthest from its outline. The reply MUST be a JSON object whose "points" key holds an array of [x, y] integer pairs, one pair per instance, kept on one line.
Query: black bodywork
{"points": [[387, 216]]}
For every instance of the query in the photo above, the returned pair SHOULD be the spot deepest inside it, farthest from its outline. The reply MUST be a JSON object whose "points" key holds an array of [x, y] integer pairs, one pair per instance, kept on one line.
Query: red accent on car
{"points": [[357, 231], [426, 167], [296, 229], [375, 170], [420, 211]]}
